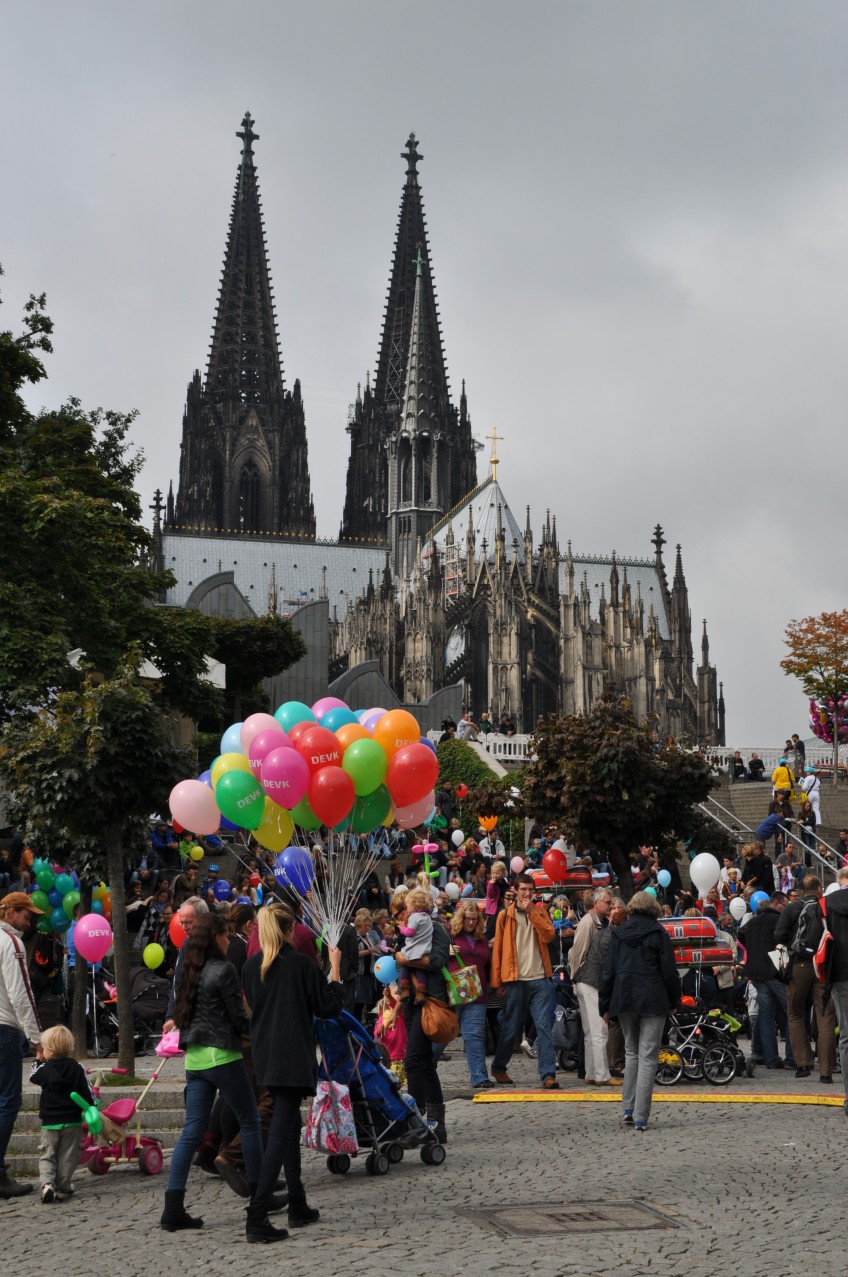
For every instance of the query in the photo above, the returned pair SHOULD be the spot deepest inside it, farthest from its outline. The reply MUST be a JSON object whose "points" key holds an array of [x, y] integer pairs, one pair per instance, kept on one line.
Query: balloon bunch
{"points": [[57, 895], [324, 765], [829, 716]]}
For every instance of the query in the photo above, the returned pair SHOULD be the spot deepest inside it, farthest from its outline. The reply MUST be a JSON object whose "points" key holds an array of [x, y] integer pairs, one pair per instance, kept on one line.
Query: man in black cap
{"points": [[18, 1023]]}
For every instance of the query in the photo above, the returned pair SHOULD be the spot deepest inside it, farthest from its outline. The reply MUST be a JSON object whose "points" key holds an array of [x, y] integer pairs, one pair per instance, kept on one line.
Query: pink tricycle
{"points": [[109, 1142]]}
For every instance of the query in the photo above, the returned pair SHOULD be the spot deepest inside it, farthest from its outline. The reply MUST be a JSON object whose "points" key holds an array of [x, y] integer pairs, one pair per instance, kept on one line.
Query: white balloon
{"points": [[559, 845], [457, 838], [452, 890], [738, 908], [704, 872]]}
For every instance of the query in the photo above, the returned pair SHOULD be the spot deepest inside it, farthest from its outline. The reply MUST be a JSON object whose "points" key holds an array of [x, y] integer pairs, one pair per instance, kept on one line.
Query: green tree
{"points": [[598, 776], [462, 765], [86, 772], [252, 650], [818, 658]]}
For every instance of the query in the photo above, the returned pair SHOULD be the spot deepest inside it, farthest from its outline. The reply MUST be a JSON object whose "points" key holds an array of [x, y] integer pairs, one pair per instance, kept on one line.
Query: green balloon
{"points": [[44, 926], [39, 899], [370, 812], [304, 816], [241, 798], [366, 763], [45, 878], [70, 901]]}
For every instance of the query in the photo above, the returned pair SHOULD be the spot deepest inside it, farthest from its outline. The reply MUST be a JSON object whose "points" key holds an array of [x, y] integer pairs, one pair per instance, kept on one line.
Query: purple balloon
{"points": [[206, 777], [372, 718], [425, 740]]}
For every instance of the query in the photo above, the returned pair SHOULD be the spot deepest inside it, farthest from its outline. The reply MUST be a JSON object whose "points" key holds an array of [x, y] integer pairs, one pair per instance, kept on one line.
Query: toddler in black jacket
{"points": [[58, 1073]]}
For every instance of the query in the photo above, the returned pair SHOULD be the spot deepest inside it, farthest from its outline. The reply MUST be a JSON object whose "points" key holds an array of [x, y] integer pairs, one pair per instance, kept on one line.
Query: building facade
{"points": [[433, 594]]}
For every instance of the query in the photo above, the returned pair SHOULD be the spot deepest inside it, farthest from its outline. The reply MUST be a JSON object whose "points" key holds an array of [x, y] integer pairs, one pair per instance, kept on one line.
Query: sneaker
{"points": [[628, 1117], [550, 1084], [501, 1076], [48, 1193], [640, 1126], [803, 1071], [827, 1078], [62, 1196], [528, 1049]]}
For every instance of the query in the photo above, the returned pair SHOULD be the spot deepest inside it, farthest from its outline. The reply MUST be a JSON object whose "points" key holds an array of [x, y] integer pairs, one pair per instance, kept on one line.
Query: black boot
{"points": [[175, 1216], [300, 1214], [259, 1228], [436, 1113]]}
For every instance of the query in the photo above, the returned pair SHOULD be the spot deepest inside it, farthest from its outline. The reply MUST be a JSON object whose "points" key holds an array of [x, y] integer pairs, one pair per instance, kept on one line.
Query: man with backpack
{"points": [[800, 928]]}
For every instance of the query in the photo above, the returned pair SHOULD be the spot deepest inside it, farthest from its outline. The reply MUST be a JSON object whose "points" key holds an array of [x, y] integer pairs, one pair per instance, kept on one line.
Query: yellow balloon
{"points": [[275, 829], [99, 892], [228, 763], [196, 852]]}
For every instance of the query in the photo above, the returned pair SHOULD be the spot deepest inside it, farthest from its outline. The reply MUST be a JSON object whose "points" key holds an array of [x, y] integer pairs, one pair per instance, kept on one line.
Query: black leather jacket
{"points": [[218, 1018]]}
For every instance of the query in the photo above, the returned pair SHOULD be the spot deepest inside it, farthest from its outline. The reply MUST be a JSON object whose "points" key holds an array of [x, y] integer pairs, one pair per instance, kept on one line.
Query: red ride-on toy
{"points": [[108, 1141]]}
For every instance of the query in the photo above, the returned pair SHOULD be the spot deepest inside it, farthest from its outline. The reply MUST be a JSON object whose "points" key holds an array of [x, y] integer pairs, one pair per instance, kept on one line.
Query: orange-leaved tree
{"points": [[818, 658]]}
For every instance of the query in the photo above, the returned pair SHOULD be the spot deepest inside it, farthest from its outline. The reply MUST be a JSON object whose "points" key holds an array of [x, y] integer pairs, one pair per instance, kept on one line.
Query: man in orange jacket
{"points": [[521, 971]]}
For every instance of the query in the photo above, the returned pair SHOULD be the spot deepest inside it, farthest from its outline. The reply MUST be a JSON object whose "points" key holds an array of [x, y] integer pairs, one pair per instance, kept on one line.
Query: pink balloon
{"points": [[415, 813], [517, 864], [285, 776], [372, 718], [193, 804], [93, 937], [261, 746], [326, 703], [252, 726]]}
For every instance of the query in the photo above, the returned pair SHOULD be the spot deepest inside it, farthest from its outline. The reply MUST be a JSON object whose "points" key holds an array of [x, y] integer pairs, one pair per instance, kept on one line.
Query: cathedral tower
{"points": [[376, 417], [243, 461]]}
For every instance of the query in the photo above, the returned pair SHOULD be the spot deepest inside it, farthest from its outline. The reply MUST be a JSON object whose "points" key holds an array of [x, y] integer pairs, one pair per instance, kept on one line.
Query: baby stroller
{"points": [[386, 1120], [567, 1030], [701, 1044], [149, 994]]}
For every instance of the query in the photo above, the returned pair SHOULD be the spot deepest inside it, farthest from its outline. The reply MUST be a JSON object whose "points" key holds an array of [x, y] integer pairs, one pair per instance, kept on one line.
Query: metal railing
{"points": [[738, 827]]}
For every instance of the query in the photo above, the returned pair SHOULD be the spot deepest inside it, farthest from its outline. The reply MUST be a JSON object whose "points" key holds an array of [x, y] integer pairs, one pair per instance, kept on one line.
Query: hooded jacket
{"points": [[639, 975], [758, 937], [836, 905]]}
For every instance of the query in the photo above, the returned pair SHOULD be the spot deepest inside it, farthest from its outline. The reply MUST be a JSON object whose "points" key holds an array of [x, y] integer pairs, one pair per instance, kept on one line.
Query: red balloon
{"points": [[555, 864], [176, 826], [296, 731], [461, 792], [413, 772], [177, 932], [321, 748], [331, 794], [255, 880]]}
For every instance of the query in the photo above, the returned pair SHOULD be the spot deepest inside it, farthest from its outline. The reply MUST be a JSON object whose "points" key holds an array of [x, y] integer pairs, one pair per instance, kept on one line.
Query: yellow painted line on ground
{"points": [[659, 1097]]}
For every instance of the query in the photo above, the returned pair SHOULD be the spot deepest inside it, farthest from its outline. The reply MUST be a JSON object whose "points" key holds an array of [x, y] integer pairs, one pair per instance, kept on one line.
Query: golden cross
{"points": [[493, 460]]}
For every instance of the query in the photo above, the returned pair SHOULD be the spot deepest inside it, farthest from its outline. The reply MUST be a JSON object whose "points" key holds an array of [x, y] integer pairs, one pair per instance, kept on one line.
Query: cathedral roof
{"points": [[483, 502], [640, 572], [302, 570]]}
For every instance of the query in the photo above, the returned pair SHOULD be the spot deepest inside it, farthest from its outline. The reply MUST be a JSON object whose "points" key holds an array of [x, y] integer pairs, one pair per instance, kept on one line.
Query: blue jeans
{"points": [[202, 1085], [12, 1047], [523, 996], [472, 1024], [771, 995]]}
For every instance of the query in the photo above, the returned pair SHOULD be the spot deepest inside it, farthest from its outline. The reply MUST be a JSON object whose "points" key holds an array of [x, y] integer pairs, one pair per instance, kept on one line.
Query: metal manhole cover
{"points": [[546, 1218]]}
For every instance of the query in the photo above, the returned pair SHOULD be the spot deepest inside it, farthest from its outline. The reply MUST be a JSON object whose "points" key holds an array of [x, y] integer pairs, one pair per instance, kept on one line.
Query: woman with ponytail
{"points": [[285, 991], [210, 1016]]}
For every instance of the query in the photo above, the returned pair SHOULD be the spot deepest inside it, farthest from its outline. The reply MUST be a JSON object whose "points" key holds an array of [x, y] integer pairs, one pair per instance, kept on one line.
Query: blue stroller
{"points": [[387, 1121]]}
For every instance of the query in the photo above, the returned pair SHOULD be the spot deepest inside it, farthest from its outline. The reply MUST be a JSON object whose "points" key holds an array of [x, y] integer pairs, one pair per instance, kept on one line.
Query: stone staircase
{"points": [[161, 1119], [749, 801]]}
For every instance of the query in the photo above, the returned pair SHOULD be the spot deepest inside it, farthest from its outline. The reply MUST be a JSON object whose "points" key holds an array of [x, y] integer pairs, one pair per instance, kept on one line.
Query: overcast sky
{"points": [[638, 218]]}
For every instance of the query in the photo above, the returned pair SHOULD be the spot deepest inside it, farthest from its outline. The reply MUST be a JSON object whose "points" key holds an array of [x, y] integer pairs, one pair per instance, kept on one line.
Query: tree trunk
{"points": [[836, 747], [620, 862], [115, 864], [81, 985]]}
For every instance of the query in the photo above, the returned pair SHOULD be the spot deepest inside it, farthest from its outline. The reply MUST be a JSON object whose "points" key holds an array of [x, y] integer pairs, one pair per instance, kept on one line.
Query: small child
{"points": [[58, 1073], [418, 935], [390, 1031]]}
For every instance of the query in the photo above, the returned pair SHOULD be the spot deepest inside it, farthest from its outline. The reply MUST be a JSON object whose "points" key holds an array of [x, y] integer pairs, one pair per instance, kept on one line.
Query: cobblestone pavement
{"points": [[757, 1189]]}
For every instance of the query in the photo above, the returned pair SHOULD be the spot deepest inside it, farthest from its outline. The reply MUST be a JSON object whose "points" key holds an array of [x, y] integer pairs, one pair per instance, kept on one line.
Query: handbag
{"points": [[780, 960], [439, 1021], [464, 985], [330, 1127]]}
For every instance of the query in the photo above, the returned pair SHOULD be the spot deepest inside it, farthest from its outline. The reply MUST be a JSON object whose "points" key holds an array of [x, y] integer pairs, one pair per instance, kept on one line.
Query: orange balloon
{"points": [[349, 732], [396, 729], [487, 822]]}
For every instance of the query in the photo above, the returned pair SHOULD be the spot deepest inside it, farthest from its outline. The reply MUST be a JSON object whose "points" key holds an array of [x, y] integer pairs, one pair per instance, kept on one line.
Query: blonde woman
{"points": [[285, 990], [471, 945]]}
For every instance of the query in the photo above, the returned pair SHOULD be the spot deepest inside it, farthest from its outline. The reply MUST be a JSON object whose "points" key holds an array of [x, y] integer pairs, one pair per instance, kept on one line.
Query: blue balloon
{"points": [[59, 920], [295, 869], [75, 877], [228, 824], [385, 969], [337, 717], [428, 822], [96, 906], [244, 900], [664, 878], [425, 740], [756, 900], [231, 740], [260, 895], [221, 890], [55, 897], [206, 778]]}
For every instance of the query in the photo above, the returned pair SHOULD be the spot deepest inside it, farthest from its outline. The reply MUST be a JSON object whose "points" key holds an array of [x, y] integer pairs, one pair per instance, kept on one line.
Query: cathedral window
{"points": [[250, 497]]}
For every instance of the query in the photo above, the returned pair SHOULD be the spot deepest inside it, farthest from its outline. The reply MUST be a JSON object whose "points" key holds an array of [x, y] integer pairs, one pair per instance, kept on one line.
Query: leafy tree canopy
{"points": [[818, 653], [598, 776], [462, 765], [252, 650]]}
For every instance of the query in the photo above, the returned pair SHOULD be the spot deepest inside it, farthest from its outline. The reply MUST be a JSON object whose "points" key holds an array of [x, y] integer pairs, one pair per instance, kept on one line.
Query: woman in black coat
{"points": [[285, 991], [639, 986]]}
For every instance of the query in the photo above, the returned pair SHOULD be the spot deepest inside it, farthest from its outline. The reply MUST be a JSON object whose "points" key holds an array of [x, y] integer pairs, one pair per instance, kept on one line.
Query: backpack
{"points": [[808, 930]]}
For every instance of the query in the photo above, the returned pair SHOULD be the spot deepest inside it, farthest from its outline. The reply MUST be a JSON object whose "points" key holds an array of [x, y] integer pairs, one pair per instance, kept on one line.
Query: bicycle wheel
{"points": [[719, 1064], [693, 1058], [669, 1066]]}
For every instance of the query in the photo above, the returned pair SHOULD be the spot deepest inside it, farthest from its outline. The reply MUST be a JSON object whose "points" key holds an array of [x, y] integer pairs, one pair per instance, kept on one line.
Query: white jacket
{"points": [[17, 1003]]}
